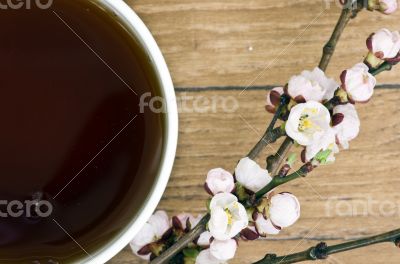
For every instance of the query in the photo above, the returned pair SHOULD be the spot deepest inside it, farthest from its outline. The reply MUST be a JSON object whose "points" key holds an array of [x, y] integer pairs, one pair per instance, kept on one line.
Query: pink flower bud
{"points": [[385, 6], [383, 45], [388, 6], [358, 83], [273, 99], [284, 209], [219, 180]]}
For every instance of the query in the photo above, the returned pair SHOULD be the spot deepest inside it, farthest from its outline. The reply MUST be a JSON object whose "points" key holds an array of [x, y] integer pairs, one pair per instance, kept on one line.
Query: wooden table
{"points": [[214, 50]]}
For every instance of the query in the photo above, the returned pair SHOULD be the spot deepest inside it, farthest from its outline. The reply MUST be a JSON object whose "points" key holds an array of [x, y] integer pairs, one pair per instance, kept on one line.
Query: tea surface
{"points": [[71, 130]]}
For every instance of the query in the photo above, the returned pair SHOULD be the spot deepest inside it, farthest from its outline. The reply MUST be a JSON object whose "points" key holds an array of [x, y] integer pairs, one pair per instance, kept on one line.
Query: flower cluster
{"points": [[230, 220], [159, 232], [321, 116]]}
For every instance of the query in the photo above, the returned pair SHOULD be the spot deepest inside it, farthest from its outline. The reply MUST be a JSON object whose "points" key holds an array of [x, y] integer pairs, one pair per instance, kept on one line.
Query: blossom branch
{"points": [[268, 138], [348, 12], [271, 135], [275, 161], [386, 66], [322, 251], [277, 180]]}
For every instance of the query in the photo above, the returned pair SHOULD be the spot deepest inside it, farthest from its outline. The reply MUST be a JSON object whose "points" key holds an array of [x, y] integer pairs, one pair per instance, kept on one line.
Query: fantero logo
{"points": [[27, 208], [25, 4]]}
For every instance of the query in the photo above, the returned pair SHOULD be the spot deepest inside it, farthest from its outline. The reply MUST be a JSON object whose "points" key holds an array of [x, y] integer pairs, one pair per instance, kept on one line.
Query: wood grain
{"points": [[357, 196], [254, 42]]}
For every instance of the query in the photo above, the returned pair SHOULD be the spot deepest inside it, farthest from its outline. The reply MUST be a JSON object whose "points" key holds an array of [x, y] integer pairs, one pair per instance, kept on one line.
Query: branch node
{"points": [[307, 168], [270, 257], [321, 251], [270, 160], [397, 242], [329, 48]]}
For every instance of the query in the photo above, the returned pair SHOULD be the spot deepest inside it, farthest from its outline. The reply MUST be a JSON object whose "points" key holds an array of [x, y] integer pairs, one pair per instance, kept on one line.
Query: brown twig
{"points": [[348, 12], [276, 181], [322, 251], [271, 134]]}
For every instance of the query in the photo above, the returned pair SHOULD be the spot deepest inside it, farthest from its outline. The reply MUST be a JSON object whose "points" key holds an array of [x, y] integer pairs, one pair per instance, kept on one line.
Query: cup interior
{"points": [[101, 193]]}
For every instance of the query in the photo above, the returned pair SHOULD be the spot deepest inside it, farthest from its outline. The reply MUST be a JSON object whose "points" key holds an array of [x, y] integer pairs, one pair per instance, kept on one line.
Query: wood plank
{"points": [[357, 196], [236, 42]]}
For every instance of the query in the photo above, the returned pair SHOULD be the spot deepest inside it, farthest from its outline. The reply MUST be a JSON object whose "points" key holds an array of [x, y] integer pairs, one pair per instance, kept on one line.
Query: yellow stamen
{"points": [[229, 215], [305, 123]]}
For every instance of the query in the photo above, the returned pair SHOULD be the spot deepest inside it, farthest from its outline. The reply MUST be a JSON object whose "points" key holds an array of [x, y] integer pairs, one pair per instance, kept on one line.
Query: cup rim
{"points": [[143, 35]]}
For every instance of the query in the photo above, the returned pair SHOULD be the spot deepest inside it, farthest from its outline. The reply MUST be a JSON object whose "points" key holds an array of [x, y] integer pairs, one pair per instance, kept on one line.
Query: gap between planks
{"points": [[257, 88]]}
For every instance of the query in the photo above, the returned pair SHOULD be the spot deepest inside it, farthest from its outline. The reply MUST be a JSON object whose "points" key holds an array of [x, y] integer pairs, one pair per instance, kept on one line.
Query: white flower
{"points": [[326, 141], [219, 180], [152, 231], [273, 99], [349, 127], [223, 250], [358, 83], [311, 86], [265, 227], [182, 220], [384, 44], [249, 174], [308, 122], [228, 216], [205, 257], [204, 239], [284, 209]]}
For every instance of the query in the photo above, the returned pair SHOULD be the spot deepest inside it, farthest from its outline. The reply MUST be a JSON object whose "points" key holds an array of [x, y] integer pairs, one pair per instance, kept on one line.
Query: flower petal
{"points": [[223, 250], [204, 239], [265, 227], [249, 174], [160, 223], [349, 128], [205, 257]]}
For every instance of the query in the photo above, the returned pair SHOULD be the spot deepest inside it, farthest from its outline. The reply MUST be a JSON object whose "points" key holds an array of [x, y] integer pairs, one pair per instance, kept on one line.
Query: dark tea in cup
{"points": [[77, 154]]}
